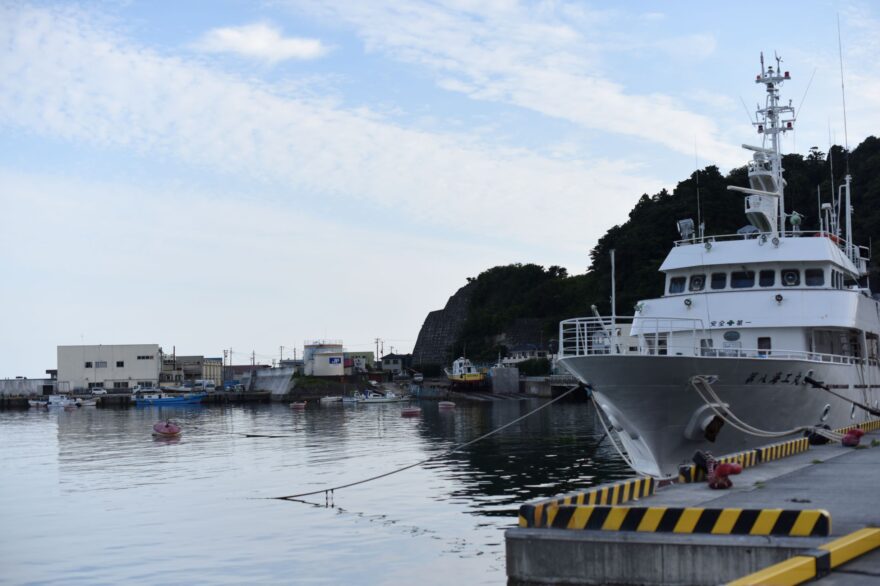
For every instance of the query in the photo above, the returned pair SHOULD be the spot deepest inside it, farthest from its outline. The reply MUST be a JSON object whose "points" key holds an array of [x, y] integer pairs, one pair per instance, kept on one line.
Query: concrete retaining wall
{"points": [[276, 381], [559, 556], [24, 386], [504, 380]]}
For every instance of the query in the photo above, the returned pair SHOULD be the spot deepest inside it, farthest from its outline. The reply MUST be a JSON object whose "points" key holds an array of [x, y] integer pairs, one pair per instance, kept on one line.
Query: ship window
{"points": [[814, 277], [707, 347], [676, 284], [767, 278], [791, 277], [763, 347], [742, 279], [697, 282], [719, 280]]}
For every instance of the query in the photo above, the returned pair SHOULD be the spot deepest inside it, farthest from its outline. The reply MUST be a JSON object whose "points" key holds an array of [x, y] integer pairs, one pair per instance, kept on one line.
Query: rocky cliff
{"points": [[441, 330]]}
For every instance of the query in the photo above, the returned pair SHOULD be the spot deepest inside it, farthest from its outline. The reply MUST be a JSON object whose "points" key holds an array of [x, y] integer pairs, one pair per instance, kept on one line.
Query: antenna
{"points": [[842, 93], [699, 210]]}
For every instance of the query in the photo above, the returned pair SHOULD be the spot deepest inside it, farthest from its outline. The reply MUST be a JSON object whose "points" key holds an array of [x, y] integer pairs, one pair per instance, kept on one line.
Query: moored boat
{"points": [[410, 411], [752, 331], [464, 373], [446, 405], [147, 399], [298, 405]]}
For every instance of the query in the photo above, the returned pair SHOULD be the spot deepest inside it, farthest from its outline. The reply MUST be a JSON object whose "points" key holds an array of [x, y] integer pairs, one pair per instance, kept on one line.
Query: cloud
{"points": [[82, 83], [259, 41], [544, 57]]}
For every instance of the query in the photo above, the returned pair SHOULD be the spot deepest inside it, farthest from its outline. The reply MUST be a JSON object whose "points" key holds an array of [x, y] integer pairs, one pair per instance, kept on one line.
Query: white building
{"points": [[323, 358], [115, 366]]}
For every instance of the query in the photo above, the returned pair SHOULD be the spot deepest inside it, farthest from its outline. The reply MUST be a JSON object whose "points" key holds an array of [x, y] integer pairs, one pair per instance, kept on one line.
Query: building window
{"points": [[676, 284], [742, 279], [767, 278], [96, 385], [697, 282], [145, 358], [122, 385], [791, 277], [814, 277], [719, 280], [101, 364], [88, 364], [120, 364]]}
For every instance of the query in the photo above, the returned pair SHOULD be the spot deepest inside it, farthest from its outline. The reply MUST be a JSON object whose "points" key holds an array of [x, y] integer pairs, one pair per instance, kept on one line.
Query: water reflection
{"points": [[133, 508]]}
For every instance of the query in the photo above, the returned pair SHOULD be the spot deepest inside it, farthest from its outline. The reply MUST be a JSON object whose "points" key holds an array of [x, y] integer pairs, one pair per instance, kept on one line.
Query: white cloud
{"points": [[84, 84], [543, 57], [259, 41]]}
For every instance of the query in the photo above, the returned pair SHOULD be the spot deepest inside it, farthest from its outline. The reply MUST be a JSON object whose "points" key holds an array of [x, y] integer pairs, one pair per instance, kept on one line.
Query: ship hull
{"points": [[656, 411]]}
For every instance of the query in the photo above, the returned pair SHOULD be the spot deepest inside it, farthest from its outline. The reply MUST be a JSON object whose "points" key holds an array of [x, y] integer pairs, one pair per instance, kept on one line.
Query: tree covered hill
{"points": [[503, 298]]}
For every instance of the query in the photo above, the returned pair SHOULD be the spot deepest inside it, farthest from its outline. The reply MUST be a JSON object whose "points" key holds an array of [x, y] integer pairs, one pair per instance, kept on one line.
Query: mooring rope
{"points": [[817, 385], [328, 492], [730, 418]]}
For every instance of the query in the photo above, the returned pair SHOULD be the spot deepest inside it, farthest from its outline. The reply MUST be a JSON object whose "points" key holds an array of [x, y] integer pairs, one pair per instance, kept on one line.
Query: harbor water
{"points": [[90, 497]]}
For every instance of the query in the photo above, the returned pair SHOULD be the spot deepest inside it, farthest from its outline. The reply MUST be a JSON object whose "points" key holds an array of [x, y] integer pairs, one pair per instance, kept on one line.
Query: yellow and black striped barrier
{"points": [[872, 425], [692, 473], [533, 514], [815, 563], [779, 522], [783, 449], [749, 458]]}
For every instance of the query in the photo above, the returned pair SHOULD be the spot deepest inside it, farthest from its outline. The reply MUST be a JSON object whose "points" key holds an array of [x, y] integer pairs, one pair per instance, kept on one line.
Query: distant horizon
{"points": [[256, 175]]}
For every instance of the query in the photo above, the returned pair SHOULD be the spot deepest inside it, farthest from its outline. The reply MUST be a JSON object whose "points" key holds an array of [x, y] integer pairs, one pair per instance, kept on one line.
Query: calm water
{"points": [[88, 496]]}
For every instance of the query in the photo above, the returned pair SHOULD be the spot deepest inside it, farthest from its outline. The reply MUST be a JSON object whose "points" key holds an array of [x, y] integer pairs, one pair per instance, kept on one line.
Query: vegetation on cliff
{"points": [[504, 294]]}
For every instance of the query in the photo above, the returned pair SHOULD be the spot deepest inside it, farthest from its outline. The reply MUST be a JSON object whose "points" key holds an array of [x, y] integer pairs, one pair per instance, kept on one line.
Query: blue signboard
{"points": [[335, 360]]}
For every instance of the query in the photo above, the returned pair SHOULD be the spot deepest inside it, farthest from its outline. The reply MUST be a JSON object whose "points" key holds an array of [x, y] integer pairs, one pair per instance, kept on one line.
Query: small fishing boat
{"points": [[446, 405], [87, 402], [39, 403], [411, 411], [388, 397], [331, 399], [464, 373], [54, 401], [166, 429], [148, 399], [298, 405]]}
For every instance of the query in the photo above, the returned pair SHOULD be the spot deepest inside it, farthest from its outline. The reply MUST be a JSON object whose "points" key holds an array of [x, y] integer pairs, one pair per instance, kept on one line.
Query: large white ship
{"points": [[763, 317]]}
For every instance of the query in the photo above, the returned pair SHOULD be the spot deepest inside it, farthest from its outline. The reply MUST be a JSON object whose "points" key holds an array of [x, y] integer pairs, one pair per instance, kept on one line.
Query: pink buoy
{"points": [[166, 429]]}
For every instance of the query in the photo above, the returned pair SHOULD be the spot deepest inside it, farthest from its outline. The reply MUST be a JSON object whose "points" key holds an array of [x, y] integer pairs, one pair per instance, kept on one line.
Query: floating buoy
{"points": [[298, 405], [411, 411], [446, 405], [166, 429]]}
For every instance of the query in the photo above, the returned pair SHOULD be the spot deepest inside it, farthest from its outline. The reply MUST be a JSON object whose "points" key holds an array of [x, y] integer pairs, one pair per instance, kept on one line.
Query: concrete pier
{"points": [[786, 496]]}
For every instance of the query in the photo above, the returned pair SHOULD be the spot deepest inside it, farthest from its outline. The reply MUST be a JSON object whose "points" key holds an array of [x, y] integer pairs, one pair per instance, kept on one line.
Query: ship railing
{"points": [[593, 336], [627, 335], [841, 242]]}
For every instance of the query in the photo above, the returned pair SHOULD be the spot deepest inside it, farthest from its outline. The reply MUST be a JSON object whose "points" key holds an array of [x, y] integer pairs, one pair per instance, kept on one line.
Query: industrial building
{"points": [[181, 369], [323, 358], [112, 366]]}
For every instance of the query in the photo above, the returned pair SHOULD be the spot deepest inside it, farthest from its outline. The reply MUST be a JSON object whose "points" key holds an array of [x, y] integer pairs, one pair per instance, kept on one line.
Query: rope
{"points": [[328, 492], [730, 418], [817, 385]]}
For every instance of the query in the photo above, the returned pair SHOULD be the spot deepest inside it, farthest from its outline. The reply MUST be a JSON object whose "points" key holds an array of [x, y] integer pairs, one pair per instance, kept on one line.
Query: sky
{"points": [[250, 175]]}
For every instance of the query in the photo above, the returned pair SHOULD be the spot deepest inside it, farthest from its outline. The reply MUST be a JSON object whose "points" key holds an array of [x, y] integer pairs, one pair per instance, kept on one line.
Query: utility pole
{"points": [[280, 355], [383, 346], [253, 360], [377, 347]]}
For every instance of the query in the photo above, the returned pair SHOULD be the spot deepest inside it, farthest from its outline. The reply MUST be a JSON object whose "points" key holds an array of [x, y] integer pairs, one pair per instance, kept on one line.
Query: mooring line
{"points": [[328, 492]]}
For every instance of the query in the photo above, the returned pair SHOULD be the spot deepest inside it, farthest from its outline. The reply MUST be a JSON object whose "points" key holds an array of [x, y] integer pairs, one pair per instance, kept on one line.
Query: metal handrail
{"points": [[590, 336]]}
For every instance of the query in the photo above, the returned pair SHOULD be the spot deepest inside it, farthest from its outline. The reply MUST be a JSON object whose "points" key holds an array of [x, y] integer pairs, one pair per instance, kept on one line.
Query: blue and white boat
{"points": [[142, 400]]}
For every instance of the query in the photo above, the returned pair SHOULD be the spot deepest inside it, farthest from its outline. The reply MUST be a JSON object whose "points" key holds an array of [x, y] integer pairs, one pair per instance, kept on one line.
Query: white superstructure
{"points": [[761, 313]]}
